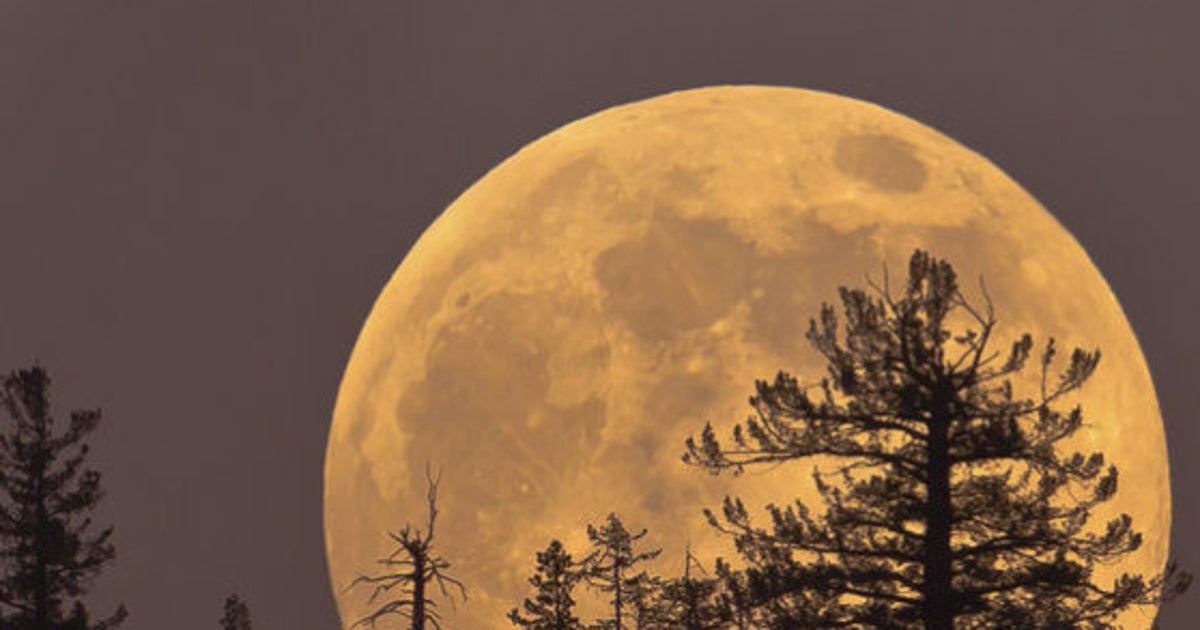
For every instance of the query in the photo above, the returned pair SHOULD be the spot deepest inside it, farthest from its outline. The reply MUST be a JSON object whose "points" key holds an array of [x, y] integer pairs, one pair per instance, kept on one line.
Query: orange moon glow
{"points": [[556, 334]]}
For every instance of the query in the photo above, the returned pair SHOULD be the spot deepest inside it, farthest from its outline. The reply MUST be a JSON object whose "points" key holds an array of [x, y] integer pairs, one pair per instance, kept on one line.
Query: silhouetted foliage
{"points": [[237, 614], [48, 551], [610, 568], [946, 502], [734, 599], [552, 606], [690, 602], [410, 572]]}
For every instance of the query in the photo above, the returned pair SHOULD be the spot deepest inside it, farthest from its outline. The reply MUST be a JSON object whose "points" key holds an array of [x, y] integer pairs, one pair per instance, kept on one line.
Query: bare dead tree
{"points": [[407, 574]]}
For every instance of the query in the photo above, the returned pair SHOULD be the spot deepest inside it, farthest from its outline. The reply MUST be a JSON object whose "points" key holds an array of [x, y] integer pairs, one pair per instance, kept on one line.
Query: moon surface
{"points": [[554, 336]]}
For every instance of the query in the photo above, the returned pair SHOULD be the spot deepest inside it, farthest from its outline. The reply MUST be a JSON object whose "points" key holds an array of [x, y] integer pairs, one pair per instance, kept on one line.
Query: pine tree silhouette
{"points": [[735, 600], [610, 568], [552, 606], [947, 503], [689, 602], [48, 551]]}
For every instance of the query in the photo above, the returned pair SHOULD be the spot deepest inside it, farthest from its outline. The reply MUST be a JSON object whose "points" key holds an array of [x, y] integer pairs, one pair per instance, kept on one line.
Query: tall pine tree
{"points": [[948, 502], [48, 548], [552, 606]]}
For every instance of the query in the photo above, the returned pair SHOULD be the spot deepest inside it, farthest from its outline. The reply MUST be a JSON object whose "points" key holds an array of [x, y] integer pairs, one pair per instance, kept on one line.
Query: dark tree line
{"points": [[947, 500], [614, 569]]}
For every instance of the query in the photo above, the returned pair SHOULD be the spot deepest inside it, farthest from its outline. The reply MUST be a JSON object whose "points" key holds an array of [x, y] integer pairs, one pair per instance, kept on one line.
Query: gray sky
{"points": [[201, 200]]}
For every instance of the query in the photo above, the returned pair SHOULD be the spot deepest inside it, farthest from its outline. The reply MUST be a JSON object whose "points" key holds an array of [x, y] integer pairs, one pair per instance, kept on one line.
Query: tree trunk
{"points": [[617, 594], [41, 569], [418, 604], [936, 593]]}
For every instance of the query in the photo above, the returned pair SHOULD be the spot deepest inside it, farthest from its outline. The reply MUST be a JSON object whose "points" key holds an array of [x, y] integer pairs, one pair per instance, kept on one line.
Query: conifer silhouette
{"points": [[612, 568], [947, 503], [552, 606], [734, 598], [48, 551], [689, 602]]}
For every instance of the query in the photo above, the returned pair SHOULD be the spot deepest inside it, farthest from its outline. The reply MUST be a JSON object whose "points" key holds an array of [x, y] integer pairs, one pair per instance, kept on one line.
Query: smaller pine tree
{"points": [[610, 568], [552, 606], [689, 602], [237, 614]]}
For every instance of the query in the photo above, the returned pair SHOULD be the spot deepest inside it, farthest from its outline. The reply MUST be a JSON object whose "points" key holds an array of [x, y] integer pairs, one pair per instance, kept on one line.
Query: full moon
{"points": [[570, 319]]}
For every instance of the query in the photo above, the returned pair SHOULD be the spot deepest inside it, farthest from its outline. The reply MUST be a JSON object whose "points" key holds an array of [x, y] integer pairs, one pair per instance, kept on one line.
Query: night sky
{"points": [[201, 200]]}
